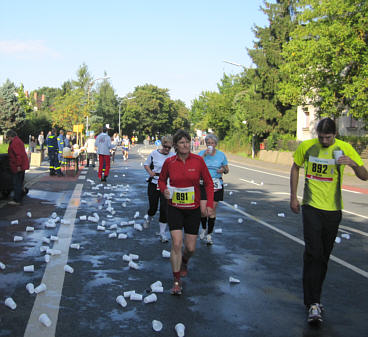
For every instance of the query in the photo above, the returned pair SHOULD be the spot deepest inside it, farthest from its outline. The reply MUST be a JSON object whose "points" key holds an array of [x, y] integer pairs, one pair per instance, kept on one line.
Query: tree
{"points": [[327, 58], [12, 114], [84, 78], [263, 101]]}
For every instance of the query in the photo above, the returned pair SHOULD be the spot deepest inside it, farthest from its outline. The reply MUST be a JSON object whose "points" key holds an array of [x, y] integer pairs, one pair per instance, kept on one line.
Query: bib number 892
{"points": [[319, 168]]}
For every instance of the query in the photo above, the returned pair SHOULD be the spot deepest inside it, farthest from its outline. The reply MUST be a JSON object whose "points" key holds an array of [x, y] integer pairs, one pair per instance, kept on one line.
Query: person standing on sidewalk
{"points": [[91, 150], [324, 160], [217, 164], [41, 140], [185, 170], [52, 150], [18, 162], [153, 165], [103, 145]]}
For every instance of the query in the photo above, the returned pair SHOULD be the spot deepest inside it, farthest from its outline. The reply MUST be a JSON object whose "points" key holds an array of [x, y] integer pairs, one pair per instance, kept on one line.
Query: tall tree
{"points": [[264, 101], [12, 114], [327, 57]]}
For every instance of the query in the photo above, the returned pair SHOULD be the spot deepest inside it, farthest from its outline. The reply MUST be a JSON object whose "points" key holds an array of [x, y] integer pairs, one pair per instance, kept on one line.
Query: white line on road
{"points": [[49, 301], [251, 182], [295, 239]]}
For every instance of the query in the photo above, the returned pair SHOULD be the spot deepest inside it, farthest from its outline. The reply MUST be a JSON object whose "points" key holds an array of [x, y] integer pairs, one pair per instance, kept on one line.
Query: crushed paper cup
{"points": [[42, 287], [138, 227], [68, 269], [134, 256], [29, 229], [281, 215], [75, 245], [127, 258], [29, 214], [231, 193], [18, 238], [46, 240], [29, 269], [156, 325], [157, 289], [83, 217], [127, 294], [112, 235], [53, 252], [218, 230], [156, 284], [240, 220], [235, 205], [50, 224], [133, 265], [122, 236], [124, 223], [47, 258], [338, 239], [96, 215], [166, 254], [100, 228], [93, 219], [44, 249], [180, 329], [45, 320], [121, 300], [131, 222], [9, 302], [30, 288], [253, 202], [54, 238], [345, 236], [2, 266], [14, 222], [114, 226], [53, 215], [233, 280]]}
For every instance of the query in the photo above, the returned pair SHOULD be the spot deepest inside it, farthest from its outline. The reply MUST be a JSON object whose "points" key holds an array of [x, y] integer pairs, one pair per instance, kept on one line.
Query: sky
{"points": [[178, 45]]}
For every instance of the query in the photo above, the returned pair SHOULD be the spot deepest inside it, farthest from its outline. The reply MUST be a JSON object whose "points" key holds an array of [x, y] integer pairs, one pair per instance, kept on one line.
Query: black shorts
{"points": [[189, 219], [217, 196]]}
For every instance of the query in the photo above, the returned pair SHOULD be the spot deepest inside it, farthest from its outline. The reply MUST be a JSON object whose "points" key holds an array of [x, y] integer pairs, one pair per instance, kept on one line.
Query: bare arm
{"points": [[149, 171], [360, 171], [294, 180]]}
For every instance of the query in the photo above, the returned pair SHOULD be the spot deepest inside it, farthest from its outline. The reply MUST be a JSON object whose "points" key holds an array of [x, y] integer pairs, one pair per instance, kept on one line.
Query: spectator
{"points": [[41, 140]]}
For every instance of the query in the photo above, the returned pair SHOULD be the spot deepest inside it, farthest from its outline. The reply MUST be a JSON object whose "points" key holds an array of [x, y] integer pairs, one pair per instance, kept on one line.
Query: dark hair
{"points": [[179, 135], [326, 125], [11, 133], [104, 129]]}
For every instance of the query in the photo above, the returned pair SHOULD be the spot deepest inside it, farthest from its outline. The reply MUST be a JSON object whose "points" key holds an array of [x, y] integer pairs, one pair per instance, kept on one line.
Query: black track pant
{"points": [[154, 197]]}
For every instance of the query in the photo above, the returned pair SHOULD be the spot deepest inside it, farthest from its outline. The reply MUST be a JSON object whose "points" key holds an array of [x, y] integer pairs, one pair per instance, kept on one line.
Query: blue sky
{"points": [[178, 45]]}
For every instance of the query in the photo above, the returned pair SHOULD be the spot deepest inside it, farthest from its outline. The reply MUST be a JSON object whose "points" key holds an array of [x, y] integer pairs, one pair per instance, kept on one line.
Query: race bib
{"points": [[320, 169], [183, 197], [217, 184]]}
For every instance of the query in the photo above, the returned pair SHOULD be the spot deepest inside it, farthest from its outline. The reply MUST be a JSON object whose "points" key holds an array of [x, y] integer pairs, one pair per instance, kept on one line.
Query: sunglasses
{"points": [[168, 147]]}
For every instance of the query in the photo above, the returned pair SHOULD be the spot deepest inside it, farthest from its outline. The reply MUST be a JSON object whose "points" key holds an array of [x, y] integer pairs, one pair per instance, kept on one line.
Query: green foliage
{"points": [[12, 113], [327, 58]]}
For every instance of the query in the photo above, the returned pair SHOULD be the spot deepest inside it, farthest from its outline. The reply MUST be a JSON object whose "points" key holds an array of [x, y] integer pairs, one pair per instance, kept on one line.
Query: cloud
{"points": [[22, 48]]}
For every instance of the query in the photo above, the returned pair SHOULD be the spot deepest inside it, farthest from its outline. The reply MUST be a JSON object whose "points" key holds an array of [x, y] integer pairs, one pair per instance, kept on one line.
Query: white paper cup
{"points": [[68, 269], [138, 227], [281, 215], [29, 229], [100, 228], [233, 280], [45, 320], [75, 245], [156, 284], [133, 265], [121, 300], [166, 253], [30, 288], [345, 236], [54, 215], [18, 238], [54, 238], [47, 258], [2, 266], [127, 294], [180, 329], [29, 214], [150, 298], [43, 249], [112, 235], [122, 236], [156, 325], [218, 230], [29, 268], [157, 289], [210, 149], [127, 258], [337, 154], [9, 302], [136, 297], [134, 256], [14, 222], [45, 240], [42, 287], [83, 217], [338, 239]]}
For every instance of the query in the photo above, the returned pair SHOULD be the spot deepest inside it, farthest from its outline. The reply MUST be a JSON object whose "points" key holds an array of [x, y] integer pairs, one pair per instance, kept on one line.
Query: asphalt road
{"points": [[258, 246]]}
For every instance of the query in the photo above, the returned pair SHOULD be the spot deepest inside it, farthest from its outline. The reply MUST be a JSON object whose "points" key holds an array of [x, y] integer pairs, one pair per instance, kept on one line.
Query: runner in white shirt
{"points": [[126, 145], [153, 166]]}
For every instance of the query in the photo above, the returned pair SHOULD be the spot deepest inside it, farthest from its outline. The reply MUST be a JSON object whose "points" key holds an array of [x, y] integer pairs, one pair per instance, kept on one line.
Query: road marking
{"points": [[49, 301], [251, 182], [297, 240], [82, 177]]}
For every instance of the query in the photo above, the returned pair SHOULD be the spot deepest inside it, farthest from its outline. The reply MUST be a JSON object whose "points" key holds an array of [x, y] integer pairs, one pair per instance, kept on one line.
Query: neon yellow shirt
{"points": [[323, 177]]}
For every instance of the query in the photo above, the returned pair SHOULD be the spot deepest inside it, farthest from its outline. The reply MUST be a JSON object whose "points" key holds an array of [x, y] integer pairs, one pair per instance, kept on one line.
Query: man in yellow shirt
{"points": [[324, 160]]}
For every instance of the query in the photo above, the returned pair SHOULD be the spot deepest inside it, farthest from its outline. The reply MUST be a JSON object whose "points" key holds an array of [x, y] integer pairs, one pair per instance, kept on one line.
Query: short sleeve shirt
{"points": [[157, 159], [323, 177], [214, 162]]}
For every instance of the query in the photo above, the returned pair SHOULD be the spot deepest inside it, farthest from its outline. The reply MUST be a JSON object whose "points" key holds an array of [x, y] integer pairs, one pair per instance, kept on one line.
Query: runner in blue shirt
{"points": [[217, 165]]}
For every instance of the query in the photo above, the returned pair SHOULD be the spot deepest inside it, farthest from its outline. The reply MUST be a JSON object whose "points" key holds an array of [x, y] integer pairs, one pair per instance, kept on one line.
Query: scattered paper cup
{"points": [[9, 302], [157, 289], [122, 236], [47, 258], [150, 298], [233, 280], [54, 238], [75, 245], [236, 206], [156, 325], [127, 258], [156, 284], [253, 202], [112, 235], [18, 238], [68, 269], [29, 214], [338, 240], [121, 300], [29, 268], [83, 217], [127, 294], [100, 228], [281, 215], [180, 329], [345, 236], [133, 265], [166, 254], [2, 266], [45, 320], [136, 297], [218, 230], [29, 229], [134, 256], [30, 288], [42, 287], [14, 222]]}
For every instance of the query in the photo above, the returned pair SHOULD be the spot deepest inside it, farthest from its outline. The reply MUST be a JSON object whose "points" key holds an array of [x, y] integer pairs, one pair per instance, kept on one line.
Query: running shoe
{"points": [[203, 234], [163, 238], [13, 203], [315, 314], [209, 240], [176, 289], [183, 270]]}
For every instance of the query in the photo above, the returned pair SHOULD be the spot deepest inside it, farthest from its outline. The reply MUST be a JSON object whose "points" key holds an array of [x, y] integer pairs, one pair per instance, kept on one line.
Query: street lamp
{"points": [[121, 101], [236, 64]]}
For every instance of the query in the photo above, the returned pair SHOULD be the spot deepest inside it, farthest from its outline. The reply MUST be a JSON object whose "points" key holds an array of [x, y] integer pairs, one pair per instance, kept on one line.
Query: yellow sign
{"points": [[78, 128]]}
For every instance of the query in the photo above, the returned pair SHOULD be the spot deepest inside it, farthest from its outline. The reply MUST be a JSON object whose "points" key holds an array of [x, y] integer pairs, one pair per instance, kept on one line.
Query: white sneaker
{"points": [[209, 239], [203, 234], [315, 313], [163, 238]]}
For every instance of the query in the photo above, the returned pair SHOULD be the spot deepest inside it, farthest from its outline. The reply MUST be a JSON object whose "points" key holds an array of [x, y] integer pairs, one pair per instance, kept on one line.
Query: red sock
{"points": [[176, 275]]}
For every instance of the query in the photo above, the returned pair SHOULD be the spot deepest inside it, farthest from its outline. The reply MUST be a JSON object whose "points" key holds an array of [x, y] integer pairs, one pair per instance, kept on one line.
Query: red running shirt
{"points": [[186, 175]]}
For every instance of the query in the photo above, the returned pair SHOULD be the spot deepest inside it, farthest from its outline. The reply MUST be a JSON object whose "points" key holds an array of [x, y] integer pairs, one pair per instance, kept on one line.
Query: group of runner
{"points": [[186, 185]]}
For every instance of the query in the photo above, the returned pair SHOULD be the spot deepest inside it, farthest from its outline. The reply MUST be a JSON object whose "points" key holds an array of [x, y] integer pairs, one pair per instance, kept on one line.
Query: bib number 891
{"points": [[181, 196]]}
